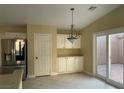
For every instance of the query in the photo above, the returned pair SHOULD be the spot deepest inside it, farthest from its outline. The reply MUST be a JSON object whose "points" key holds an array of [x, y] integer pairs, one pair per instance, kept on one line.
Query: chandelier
{"points": [[73, 33]]}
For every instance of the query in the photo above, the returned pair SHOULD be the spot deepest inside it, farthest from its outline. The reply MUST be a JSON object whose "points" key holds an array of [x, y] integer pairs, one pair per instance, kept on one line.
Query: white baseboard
{"points": [[86, 72], [71, 72], [30, 76], [53, 73]]}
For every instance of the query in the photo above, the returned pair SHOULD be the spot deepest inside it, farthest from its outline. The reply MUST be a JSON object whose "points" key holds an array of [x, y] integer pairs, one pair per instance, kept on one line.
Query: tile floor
{"points": [[115, 69], [66, 81]]}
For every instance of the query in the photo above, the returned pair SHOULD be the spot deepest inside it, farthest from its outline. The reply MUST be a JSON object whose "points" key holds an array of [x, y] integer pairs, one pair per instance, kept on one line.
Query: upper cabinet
{"points": [[13, 35], [77, 44], [68, 44], [62, 42]]}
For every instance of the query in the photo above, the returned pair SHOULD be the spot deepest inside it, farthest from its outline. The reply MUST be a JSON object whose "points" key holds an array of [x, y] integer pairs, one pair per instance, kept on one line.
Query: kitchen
{"points": [[41, 51], [13, 59]]}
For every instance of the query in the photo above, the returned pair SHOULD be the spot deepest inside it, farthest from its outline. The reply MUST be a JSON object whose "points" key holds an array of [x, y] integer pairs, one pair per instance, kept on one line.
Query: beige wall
{"points": [[31, 29], [111, 20]]}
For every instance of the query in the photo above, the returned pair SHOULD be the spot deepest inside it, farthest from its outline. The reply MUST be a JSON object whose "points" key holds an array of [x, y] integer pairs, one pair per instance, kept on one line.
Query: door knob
{"points": [[36, 57]]}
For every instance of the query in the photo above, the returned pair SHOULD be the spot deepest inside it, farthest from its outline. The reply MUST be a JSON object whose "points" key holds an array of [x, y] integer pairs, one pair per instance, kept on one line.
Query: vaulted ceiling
{"points": [[57, 15]]}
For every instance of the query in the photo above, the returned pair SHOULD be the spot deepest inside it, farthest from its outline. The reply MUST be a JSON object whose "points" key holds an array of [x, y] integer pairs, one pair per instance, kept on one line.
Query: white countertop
{"points": [[70, 56]]}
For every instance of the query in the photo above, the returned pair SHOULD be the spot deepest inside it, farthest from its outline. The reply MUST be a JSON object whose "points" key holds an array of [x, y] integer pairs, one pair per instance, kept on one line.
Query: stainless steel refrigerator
{"points": [[13, 54]]}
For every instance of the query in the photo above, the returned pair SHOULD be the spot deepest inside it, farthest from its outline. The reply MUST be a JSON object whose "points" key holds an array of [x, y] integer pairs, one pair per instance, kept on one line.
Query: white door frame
{"points": [[50, 36], [95, 53], [107, 33]]}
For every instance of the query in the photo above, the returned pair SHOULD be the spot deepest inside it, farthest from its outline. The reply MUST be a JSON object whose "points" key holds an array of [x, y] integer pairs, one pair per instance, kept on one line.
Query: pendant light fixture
{"points": [[73, 33]]}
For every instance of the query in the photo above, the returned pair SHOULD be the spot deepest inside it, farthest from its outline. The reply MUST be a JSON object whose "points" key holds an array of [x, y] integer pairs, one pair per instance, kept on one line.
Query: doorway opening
{"points": [[116, 54], [42, 54]]}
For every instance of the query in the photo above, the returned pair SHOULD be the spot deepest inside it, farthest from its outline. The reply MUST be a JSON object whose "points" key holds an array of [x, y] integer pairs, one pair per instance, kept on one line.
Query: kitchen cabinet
{"points": [[77, 44], [13, 35], [63, 42], [68, 44], [60, 41], [78, 64], [70, 64], [62, 64]]}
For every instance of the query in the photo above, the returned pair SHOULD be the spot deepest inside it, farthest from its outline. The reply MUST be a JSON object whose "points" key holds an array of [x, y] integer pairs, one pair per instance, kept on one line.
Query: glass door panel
{"points": [[101, 55], [116, 57]]}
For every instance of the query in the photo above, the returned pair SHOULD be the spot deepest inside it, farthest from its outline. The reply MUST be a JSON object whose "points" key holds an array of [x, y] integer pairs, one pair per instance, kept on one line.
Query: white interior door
{"points": [[42, 54]]}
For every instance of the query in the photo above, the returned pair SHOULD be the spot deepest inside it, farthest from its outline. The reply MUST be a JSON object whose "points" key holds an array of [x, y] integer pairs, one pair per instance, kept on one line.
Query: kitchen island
{"points": [[12, 80]]}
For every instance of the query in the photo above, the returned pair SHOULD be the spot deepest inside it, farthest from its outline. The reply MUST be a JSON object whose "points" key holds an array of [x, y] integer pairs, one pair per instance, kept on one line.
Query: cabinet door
{"points": [[76, 64], [70, 64], [60, 41], [15, 35], [80, 63], [62, 65], [77, 43], [68, 44], [9, 35], [21, 35]]}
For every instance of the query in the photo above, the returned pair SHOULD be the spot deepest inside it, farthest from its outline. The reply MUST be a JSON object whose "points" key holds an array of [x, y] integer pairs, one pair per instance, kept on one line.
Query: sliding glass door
{"points": [[109, 57], [101, 55], [116, 57]]}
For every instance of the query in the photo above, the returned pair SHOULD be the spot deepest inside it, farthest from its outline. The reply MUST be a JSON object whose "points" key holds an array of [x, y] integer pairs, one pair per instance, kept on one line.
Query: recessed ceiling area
{"points": [[56, 15]]}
